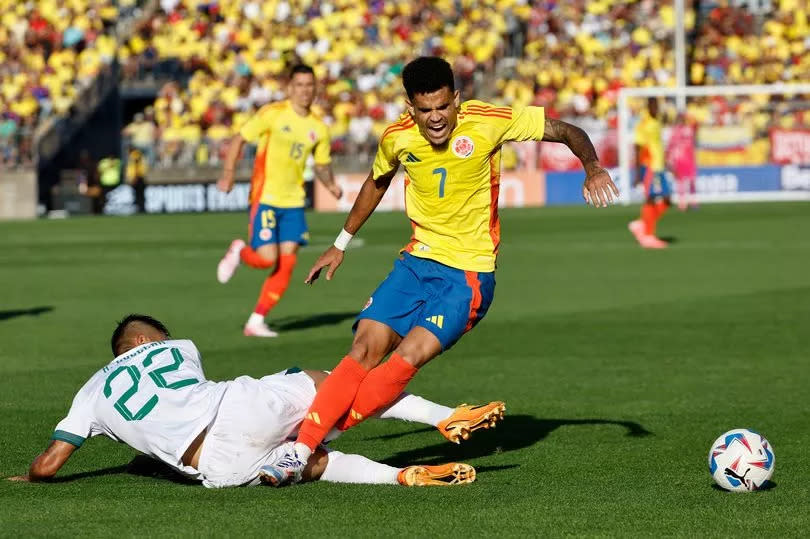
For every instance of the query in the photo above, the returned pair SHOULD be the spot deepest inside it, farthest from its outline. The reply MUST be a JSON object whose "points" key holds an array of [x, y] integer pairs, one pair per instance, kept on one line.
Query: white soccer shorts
{"points": [[254, 418]]}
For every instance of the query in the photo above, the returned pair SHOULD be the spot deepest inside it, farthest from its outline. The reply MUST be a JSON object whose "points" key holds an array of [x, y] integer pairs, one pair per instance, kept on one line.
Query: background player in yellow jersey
{"points": [[651, 171], [285, 134], [443, 282]]}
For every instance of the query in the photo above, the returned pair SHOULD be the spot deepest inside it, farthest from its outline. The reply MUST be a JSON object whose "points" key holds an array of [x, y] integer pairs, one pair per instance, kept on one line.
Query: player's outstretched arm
{"points": [[370, 196], [599, 189], [225, 182], [48, 462], [327, 178]]}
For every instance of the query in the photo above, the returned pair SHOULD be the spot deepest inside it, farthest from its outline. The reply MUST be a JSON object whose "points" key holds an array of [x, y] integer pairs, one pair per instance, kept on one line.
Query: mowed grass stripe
{"points": [[619, 367]]}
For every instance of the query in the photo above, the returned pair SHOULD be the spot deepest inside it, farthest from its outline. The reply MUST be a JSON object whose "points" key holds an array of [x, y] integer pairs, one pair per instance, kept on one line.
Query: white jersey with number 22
{"points": [[154, 398]]}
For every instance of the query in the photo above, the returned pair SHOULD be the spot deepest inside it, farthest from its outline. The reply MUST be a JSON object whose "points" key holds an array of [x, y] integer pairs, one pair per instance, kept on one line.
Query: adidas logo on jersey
{"points": [[437, 319], [412, 158], [286, 129]]}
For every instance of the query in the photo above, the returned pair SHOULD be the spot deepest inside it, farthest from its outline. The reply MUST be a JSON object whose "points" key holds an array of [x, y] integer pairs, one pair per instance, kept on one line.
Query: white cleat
{"points": [[636, 228], [258, 330], [286, 470], [227, 266]]}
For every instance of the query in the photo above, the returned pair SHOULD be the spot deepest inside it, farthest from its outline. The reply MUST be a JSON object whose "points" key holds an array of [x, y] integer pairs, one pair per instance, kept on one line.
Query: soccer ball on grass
{"points": [[741, 460]]}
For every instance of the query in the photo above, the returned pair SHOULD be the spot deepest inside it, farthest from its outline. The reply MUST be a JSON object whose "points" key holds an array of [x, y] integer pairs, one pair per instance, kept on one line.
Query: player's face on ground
{"points": [[435, 114], [302, 89]]}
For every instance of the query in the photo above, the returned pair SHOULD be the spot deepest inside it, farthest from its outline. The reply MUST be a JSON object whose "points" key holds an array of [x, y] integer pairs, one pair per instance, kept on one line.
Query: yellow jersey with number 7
{"points": [[451, 192], [284, 140]]}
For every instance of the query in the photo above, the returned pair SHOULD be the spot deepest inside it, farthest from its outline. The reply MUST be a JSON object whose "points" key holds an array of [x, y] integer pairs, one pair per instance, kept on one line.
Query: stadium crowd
{"points": [[570, 57], [226, 58], [49, 51]]}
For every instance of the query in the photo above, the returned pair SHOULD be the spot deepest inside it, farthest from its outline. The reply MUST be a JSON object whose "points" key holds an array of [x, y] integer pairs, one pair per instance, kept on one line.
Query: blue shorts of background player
{"points": [[270, 224], [446, 301], [656, 184]]}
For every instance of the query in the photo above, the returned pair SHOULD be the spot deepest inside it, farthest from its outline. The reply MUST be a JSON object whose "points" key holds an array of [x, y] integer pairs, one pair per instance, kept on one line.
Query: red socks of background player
{"points": [[648, 217], [350, 388], [253, 259], [651, 212], [275, 285], [380, 388]]}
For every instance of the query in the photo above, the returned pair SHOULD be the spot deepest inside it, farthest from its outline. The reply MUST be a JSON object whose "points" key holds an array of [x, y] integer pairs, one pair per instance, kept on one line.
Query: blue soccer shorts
{"points": [[656, 184], [446, 301], [269, 224]]}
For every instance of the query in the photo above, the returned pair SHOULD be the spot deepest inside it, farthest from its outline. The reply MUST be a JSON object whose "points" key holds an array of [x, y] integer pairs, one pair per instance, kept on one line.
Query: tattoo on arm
{"points": [[573, 137], [324, 175]]}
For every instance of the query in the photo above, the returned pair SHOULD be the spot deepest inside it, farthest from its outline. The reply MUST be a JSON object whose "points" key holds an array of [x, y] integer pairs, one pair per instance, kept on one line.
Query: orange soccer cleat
{"points": [[443, 475], [466, 419]]}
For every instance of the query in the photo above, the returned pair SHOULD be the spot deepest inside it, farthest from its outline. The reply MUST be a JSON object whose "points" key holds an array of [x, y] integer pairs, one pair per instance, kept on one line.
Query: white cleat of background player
{"points": [[227, 266], [256, 327]]}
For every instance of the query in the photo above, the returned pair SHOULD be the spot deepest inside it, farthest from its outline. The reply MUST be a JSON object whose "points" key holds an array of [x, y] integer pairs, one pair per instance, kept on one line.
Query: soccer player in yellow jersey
{"points": [[651, 171], [443, 282], [285, 134]]}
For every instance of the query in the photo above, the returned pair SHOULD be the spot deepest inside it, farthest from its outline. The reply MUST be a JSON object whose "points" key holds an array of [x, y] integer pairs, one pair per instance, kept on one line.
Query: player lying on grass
{"points": [[155, 398], [444, 280]]}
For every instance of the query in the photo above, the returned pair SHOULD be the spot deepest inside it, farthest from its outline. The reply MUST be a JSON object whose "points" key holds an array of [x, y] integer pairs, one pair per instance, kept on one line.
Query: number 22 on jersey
{"points": [[156, 375]]}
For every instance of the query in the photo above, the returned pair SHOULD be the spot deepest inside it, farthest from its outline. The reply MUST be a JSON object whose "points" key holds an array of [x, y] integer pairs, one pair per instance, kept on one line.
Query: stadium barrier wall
{"points": [[183, 190], [18, 194], [713, 184], [790, 146], [519, 189]]}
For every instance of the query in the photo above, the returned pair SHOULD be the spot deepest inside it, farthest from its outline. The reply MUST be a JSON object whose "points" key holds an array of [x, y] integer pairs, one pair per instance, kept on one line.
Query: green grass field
{"points": [[619, 368]]}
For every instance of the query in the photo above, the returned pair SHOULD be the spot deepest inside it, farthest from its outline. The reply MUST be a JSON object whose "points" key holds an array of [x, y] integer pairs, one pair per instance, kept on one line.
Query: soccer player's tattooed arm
{"points": [[371, 193], [599, 189], [327, 178], [48, 462], [225, 182]]}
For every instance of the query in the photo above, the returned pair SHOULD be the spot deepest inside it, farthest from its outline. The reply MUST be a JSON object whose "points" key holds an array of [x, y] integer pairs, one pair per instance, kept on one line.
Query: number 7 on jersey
{"points": [[442, 172]]}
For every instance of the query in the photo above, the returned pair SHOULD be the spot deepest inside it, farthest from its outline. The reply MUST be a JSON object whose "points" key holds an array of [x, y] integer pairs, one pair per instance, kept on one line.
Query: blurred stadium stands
{"points": [[198, 68]]}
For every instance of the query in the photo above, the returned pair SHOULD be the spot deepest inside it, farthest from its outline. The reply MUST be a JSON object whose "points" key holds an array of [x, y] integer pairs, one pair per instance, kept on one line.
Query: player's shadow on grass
{"points": [[33, 311], [515, 432], [140, 465], [293, 323], [86, 475], [148, 467]]}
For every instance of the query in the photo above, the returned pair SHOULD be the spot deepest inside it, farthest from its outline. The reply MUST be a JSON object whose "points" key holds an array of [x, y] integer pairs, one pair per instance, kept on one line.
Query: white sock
{"points": [[303, 451], [413, 408], [343, 468], [255, 319]]}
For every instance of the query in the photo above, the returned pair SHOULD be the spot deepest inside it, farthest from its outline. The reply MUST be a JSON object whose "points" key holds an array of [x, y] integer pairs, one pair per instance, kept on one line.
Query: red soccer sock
{"points": [[661, 208], [380, 388], [254, 259], [275, 285], [332, 401], [648, 217]]}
